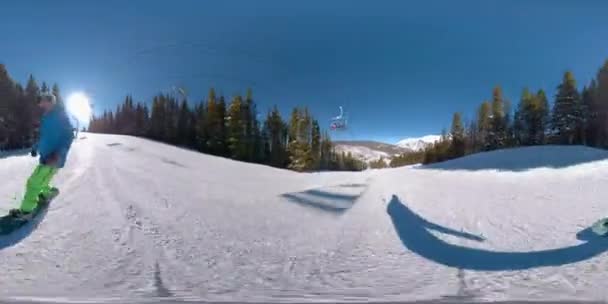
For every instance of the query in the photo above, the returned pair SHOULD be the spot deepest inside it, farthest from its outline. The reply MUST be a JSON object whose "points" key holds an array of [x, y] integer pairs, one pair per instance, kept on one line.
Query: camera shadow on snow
{"points": [[414, 231], [22, 232]]}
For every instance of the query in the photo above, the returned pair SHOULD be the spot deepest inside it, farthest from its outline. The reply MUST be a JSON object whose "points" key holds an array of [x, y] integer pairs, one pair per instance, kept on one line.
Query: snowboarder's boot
{"points": [[17, 213], [43, 198], [47, 195]]}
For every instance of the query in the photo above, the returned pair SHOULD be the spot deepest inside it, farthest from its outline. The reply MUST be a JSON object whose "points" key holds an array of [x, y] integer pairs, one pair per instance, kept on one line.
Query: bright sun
{"points": [[79, 106]]}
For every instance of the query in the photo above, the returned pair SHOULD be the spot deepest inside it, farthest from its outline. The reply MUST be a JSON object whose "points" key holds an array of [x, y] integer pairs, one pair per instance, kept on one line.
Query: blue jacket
{"points": [[56, 136]]}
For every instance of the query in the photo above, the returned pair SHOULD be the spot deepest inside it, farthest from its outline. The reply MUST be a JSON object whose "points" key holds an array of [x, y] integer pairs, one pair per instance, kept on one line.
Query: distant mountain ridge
{"points": [[369, 150], [374, 145], [418, 143]]}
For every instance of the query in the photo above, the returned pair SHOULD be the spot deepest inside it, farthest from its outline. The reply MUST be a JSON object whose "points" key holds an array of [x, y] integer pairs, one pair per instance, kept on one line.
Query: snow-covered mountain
{"points": [[418, 143], [369, 150], [140, 221]]}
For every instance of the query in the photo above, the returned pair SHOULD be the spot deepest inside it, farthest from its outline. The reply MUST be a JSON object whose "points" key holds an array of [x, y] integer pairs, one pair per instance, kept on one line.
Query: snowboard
{"points": [[600, 227], [10, 223]]}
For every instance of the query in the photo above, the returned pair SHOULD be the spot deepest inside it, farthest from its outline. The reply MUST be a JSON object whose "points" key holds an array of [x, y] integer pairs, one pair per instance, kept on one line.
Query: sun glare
{"points": [[79, 106]]}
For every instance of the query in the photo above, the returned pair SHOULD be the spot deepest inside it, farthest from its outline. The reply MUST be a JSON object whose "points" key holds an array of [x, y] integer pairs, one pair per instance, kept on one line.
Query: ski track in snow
{"points": [[138, 220]]}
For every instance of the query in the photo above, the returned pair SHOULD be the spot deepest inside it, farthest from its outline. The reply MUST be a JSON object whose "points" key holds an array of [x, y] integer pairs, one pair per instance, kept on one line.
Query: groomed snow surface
{"points": [[139, 220]]}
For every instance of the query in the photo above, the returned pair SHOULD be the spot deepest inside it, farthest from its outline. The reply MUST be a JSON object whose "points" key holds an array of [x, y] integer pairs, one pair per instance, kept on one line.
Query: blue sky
{"points": [[400, 68]]}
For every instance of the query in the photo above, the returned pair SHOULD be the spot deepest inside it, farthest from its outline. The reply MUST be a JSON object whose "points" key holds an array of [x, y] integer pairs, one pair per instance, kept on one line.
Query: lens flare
{"points": [[79, 106]]}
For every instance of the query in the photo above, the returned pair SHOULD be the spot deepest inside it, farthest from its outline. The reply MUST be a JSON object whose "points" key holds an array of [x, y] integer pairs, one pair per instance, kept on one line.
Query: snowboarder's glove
{"points": [[34, 153]]}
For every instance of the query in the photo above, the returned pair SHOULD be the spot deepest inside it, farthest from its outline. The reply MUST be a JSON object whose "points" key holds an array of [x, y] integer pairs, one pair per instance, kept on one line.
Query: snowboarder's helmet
{"points": [[46, 96]]}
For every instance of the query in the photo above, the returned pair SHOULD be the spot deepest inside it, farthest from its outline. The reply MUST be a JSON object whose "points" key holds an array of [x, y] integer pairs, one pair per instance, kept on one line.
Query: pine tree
{"points": [[524, 122], [45, 87], [457, 145], [300, 154], [157, 118], [600, 106], [586, 105], [22, 121], [204, 115], [544, 116], [591, 122], [472, 138], [141, 120], [276, 133], [498, 122], [191, 132], [125, 117], [327, 154], [110, 123], [378, 164], [508, 124], [4, 108], [55, 90], [8, 105], [531, 118], [567, 115], [306, 142], [252, 129], [130, 116], [183, 124], [266, 143], [247, 125], [236, 130], [32, 91], [294, 125], [221, 141], [484, 126], [408, 158], [172, 122], [316, 144], [519, 132], [439, 150], [292, 142]]}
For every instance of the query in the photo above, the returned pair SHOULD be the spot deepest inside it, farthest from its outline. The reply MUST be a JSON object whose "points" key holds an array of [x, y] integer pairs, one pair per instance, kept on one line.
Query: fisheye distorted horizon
{"points": [[400, 69]]}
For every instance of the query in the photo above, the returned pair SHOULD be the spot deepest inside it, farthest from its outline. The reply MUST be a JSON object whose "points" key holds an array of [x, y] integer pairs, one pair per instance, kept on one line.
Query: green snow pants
{"points": [[38, 183]]}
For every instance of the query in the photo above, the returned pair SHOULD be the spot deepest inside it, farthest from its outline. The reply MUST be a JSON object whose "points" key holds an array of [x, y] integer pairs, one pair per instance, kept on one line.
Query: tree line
{"points": [[576, 117], [19, 113], [229, 129], [212, 126]]}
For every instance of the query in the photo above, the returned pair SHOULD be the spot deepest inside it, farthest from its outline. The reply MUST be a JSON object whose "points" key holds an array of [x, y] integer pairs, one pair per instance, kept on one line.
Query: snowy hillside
{"points": [[369, 151], [363, 153], [418, 143], [137, 220], [525, 158]]}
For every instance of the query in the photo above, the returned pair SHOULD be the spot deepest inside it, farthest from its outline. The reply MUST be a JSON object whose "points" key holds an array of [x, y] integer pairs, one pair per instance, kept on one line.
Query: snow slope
{"points": [[139, 220], [525, 158]]}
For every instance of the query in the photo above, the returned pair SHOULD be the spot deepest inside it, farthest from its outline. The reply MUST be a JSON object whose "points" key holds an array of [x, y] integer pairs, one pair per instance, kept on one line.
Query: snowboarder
{"points": [[53, 145]]}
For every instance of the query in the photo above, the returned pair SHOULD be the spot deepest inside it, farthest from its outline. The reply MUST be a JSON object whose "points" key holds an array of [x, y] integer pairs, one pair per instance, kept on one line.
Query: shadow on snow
{"points": [[353, 185], [323, 200], [413, 230], [22, 232], [13, 153]]}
